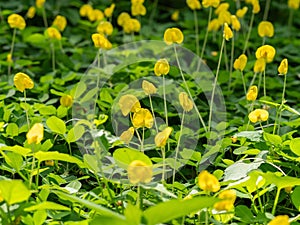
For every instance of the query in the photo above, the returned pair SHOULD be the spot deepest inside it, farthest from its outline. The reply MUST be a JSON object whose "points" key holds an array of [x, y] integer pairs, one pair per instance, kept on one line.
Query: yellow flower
{"points": [[240, 63], [161, 67], [139, 172], [60, 22], [283, 67], [127, 135], [35, 134], [137, 1], [49, 163], [214, 25], [53, 33], [22, 81], [85, 10], [227, 203], [105, 27], [293, 4], [31, 12], [122, 18], [224, 17], [252, 93], [40, 3], [131, 25], [236, 25], [227, 32], [280, 220], [100, 41], [66, 100], [138, 10], [185, 102], [142, 118], [208, 182], [256, 6], [193, 4], [148, 87], [222, 7], [173, 35], [95, 15], [129, 103], [175, 15], [109, 11], [240, 13], [260, 65], [162, 137], [267, 52], [265, 29], [16, 21], [208, 3], [9, 58], [258, 115]]}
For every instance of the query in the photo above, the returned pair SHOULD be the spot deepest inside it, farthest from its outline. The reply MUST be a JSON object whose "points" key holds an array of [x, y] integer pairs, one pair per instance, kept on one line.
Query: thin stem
{"points": [[163, 153], [231, 62], [278, 118], [44, 17], [153, 115], [290, 20], [267, 7], [206, 34], [32, 166], [37, 175], [53, 55], [225, 58], [143, 137], [165, 100], [214, 86], [276, 200], [253, 79], [26, 110], [249, 33], [196, 32], [265, 92], [139, 200], [188, 90], [177, 148], [244, 83], [12, 49]]}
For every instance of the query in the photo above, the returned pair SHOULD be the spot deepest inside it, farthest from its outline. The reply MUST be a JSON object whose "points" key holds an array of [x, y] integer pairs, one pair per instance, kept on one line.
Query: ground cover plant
{"points": [[149, 112]]}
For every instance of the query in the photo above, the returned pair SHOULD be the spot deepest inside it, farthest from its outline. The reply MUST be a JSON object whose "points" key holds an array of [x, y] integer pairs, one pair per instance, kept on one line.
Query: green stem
{"points": [[276, 201], [253, 79], [153, 115], [278, 118], [206, 34], [177, 148], [225, 58], [53, 55], [139, 200], [143, 136], [188, 90], [196, 32], [214, 86], [267, 7], [163, 153], [44, 17], [265, 92], [290, 20], [12, 49], [231, 62], [26, 111], [165, 100], [38, 174], [249, 33], [244, 83], [32, 166]]}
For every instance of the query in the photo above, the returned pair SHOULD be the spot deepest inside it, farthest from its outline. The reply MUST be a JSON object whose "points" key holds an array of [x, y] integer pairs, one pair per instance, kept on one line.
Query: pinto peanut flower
{"points": [[173, 35], [193, 4], [161, 67], [122, 18], [40, 3], [259, 65], [240, 13], [293, 4], [280, 220], [108, 12], [131, 25], [35, 134], [228, 198], [138, 9], [212, 3], [95, 15], [208, 182], [53, 33], [16, 21], [185, 102], [227, 32], [105, 27], [252, 93], [31, 12], [142, 118], [148, 87], [265, 29], [66, 100], [22, 81], [60, 22], [162, 137], [85, 10], [240, 63], [283, 67], [236, 25], [127, 135], [129, 103], [258, 115], [100, 41], [266, 52], [139, 172]]}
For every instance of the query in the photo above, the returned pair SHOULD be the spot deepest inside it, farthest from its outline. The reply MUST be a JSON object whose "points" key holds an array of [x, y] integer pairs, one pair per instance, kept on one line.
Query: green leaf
{"points": [[82, 222], [296, 197], [38, 40], [89, 95], [240, 170], [56, 125], [14, 191], [295, 146], [17, 149], [91, 205], [272, 139], [14, 160], [75, 133], [47, 110], [244, 213], [124, 156], [251, 135], [133, 215], [281, 182], [108, 220], [91, 162], [73, 187], [43, 156], [47, 205], [46, 145], [39, 217], [79, 90], [12, 129], [167, 211]]}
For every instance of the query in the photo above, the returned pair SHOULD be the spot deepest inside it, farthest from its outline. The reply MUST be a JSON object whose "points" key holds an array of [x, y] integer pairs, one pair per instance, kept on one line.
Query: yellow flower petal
{"points": [[265, 29], [129, 103], [227, 33], [161, 67], [127, 135], [162, 137], [185, 102], [66, 100], [60, 22], [173, 35], [22, 81], [240, 62], [16, 21], [283, 67], [252, 93], [35, 134], [139, 172], [208, 182], [142, 118], [148, 87], [280, 220]]}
